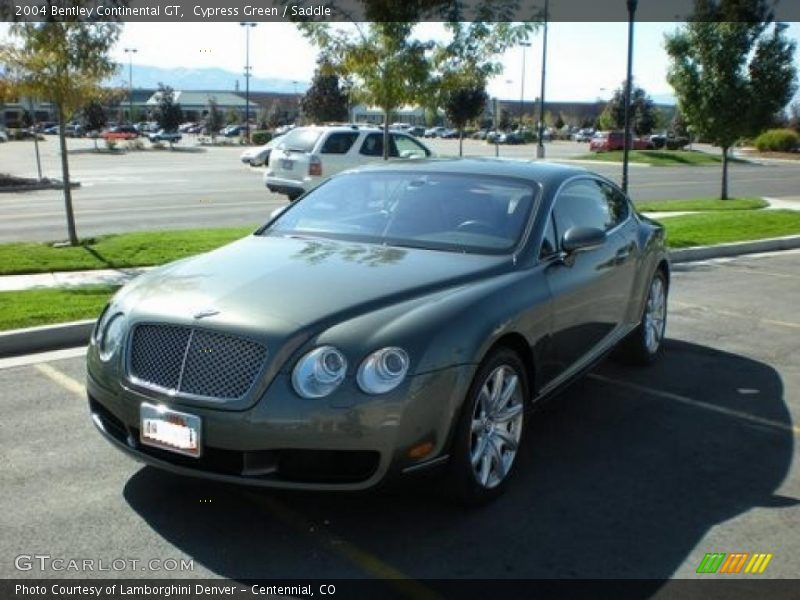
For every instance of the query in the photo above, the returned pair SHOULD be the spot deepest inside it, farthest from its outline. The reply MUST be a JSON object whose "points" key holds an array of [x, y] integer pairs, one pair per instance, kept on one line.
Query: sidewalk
{"points": [[66, 279]]}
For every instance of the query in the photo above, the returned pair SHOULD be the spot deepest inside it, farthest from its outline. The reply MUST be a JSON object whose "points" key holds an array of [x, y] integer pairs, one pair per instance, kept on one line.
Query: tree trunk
{"points": [[724, 192], [461, 142], [62, 139], [385, 134]]}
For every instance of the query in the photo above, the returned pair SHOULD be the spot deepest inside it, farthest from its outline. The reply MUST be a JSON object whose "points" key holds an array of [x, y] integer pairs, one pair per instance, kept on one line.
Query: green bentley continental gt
{"points": [[393, 320]]}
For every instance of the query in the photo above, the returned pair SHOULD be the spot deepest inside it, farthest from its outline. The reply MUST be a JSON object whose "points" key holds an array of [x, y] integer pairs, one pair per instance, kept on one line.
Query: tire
{"points": [[644, 344], [487, 439]]}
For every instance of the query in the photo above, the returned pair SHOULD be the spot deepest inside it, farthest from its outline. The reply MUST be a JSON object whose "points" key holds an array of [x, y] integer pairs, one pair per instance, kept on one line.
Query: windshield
{"points": [[453, 212], [300, 140]]}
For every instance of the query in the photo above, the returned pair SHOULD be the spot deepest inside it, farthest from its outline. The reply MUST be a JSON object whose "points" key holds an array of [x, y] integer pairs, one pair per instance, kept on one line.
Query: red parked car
{"points": [[122, 132], [606, 141]]}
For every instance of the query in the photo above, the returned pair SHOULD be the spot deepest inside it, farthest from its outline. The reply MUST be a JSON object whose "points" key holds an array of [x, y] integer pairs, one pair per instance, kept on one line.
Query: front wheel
{"points": [[490, 429], [643, 345]]}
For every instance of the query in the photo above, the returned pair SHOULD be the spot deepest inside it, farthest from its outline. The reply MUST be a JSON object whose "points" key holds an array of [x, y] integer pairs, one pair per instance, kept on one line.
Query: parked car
{"points": [[73, 130], [255, 157], [165, 136], [434, 132], [233, 130], [3, 135], [449, 134], [397, 319], [307, 155], [584, 135], [120, 132], [607, 141], [416, 131]]}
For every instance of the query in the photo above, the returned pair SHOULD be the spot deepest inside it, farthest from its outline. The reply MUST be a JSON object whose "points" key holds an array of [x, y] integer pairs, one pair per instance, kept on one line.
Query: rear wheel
{"points": [[643, 345], [490, 429]]}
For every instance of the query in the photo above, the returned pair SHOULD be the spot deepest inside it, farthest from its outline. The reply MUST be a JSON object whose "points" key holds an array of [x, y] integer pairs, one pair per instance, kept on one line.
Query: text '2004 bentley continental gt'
{"points": [[395, 319]]}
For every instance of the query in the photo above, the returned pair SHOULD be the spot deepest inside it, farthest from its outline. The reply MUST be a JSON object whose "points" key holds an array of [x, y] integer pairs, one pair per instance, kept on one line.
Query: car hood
{"points": [[281, 285]]}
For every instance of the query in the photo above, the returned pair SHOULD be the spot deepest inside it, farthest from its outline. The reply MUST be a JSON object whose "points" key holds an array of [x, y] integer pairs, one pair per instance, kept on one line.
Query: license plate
{"points": [[169, 429], [287, 165]]}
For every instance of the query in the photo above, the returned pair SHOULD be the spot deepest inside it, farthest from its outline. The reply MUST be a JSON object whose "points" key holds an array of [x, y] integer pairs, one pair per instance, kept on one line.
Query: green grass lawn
{"points": [[735, 226], [660, 158], [114, 251], [40, 307], [702, 204]]}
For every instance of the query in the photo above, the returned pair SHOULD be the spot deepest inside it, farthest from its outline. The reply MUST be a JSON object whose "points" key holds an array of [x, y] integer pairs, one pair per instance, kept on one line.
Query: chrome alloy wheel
{"points": [[496, 426], [655, 315]]}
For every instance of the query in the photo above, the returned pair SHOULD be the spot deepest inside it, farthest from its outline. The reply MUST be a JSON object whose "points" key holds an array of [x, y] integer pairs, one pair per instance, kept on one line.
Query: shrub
{"points": [[111, 144], [259, 138], [778, 140]]}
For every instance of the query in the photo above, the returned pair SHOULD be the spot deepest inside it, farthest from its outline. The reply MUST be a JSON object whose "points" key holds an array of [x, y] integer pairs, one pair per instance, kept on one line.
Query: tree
{"points": [[463, 105], [643, 111], [504, 122], [732, 69], [793, 120], [64, 62], [470, 57], [387, 67], [232, 116], [559, 123], [168, 113], [213, 119], [94, 117], [324, 100]]}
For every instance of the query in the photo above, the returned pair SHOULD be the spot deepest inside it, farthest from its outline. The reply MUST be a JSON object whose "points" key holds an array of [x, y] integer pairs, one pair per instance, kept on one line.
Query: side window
{"points": [[549, 243], [580, 204], [618, 207], [373, 145], [408, 147], [339, 143]]}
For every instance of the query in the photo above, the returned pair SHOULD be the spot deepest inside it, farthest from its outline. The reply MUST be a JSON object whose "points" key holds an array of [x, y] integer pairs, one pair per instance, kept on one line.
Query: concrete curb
{"points": [[682, 255], [45, 338], [68, 335]]}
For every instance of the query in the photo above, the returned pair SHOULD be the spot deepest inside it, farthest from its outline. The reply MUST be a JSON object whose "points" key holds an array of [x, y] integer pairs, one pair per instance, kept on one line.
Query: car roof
{"points": [[547, 174]]}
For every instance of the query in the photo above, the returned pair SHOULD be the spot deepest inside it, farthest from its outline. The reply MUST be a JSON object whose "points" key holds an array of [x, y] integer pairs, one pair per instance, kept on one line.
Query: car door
{"points": [[334, 152], [588, 287], [371, 149]]}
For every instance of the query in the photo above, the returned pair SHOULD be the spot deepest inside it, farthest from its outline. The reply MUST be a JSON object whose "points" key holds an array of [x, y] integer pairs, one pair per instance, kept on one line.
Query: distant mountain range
{"points": [[202, 79]]}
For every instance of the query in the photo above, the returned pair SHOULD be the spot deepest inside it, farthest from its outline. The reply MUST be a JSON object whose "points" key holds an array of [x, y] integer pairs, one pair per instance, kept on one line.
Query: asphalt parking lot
{"points": [[196, 186], [631, 473]]}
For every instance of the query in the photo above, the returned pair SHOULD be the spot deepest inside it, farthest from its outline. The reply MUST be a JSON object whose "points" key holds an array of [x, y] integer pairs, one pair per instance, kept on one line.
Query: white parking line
{"points": [[737, 315], [62, 379], [728, 412]]}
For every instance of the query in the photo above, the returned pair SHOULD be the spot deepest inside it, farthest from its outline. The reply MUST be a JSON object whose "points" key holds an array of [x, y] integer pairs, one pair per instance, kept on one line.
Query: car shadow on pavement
{"points": [[621, 477]]}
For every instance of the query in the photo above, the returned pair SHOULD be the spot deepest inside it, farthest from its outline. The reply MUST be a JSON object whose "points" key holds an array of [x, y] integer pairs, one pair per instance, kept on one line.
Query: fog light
{"points": [[420, 450]]}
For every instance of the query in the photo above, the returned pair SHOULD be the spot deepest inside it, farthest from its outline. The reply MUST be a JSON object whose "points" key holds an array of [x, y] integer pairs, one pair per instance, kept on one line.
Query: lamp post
{"points": [[628, 81], [540, 136], [247, 74], [130, 52], [525, 46]]}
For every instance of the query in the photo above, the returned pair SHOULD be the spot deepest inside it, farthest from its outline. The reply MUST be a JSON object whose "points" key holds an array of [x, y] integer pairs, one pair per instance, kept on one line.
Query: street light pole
{"points": [[525, 46], [540, 147], [247, 25], [628, 83], [130, 52]]}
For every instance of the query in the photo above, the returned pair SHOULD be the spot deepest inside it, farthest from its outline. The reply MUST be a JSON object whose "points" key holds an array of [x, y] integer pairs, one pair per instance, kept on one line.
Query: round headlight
{"points": [[110, 336], [383, 370], [101, 324], [319, 372]]}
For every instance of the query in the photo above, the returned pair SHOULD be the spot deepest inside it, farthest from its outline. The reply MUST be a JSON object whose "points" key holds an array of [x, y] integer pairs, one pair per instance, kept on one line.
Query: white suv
{"points": [[308, 155]]}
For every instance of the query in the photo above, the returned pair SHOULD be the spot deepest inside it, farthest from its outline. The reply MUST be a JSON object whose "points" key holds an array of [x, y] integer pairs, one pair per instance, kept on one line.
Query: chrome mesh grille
{"points": [[194, 361]]}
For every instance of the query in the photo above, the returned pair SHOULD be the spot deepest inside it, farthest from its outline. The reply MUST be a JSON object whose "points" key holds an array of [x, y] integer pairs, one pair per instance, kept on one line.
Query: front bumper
{"points": [[349, 441]]}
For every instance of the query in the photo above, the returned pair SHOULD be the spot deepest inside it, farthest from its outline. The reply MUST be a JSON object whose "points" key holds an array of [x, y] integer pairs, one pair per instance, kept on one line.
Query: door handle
{"points": [[623, 253]]}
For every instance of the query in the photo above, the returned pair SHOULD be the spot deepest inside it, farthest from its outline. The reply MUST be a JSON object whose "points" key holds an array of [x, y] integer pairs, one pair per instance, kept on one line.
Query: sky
{"points": [[585, 61]]}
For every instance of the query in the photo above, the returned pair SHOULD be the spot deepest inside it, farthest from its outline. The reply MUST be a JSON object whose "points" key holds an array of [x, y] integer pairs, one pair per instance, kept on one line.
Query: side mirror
{"points": [[582, 238]]}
